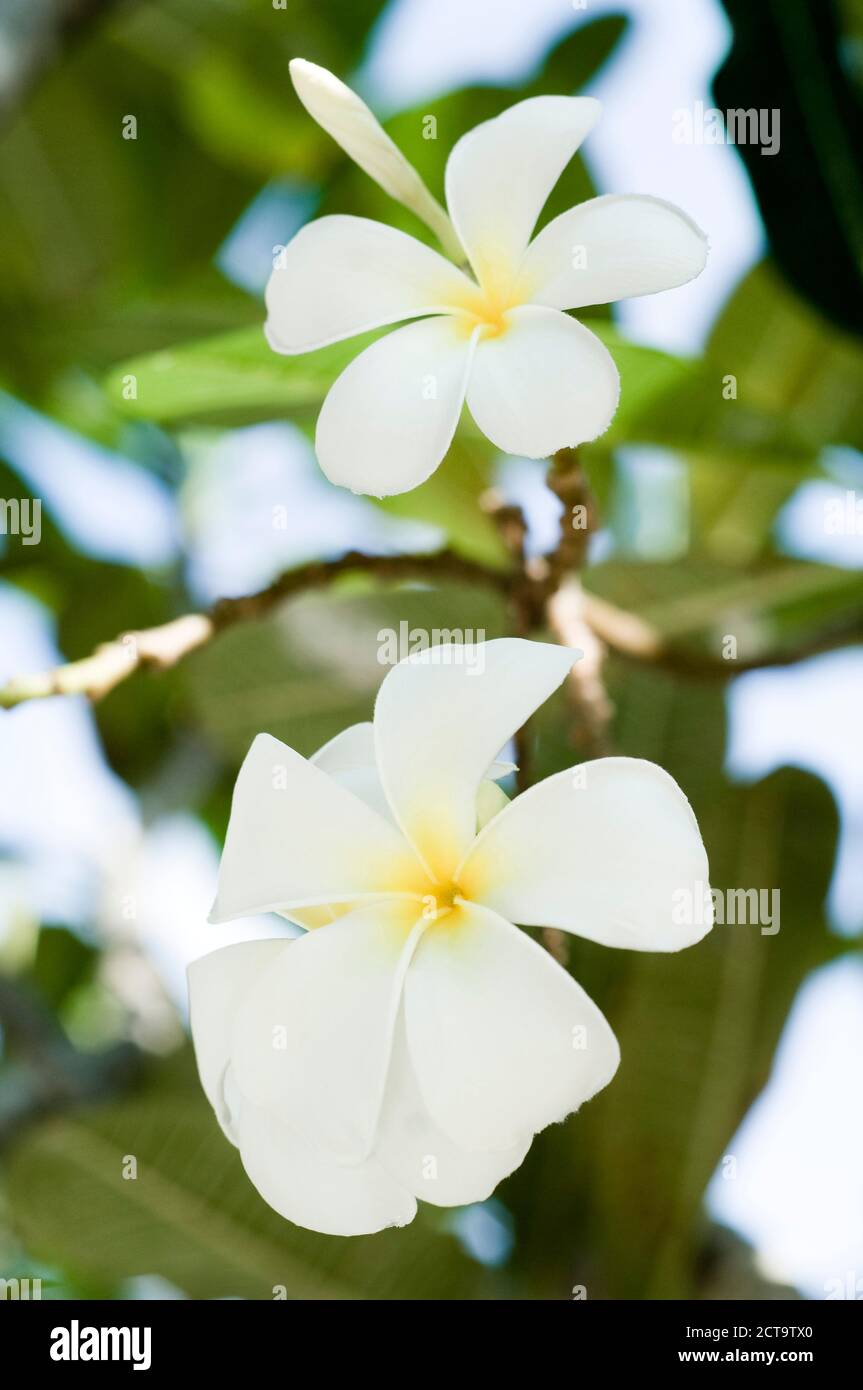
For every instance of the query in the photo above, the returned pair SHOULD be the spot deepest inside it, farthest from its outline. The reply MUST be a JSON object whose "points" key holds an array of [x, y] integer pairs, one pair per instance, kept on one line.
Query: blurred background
{"points": [[726, 1160]]}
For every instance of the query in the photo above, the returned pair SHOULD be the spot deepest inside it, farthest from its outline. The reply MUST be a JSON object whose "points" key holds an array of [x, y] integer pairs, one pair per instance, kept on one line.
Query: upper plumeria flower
{"points": [[413, 1040], [535, 379]]}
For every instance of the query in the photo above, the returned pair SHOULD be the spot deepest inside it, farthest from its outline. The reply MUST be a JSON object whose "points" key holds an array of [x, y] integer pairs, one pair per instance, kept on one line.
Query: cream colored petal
{"points": [[502, 1039], [545, 384], [440, 717], [609, 850], [500, 174], [308, 1186], [296, 838], [419, 1154], [342, 275], [217, 983], [612, 248], [389, 419], [312, 1040]]}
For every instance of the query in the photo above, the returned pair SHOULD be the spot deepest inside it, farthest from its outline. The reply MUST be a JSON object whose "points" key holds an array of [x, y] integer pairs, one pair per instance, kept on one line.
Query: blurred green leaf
{"points": [[790, 362], [63, 962], [91, 222], [192, 1216], [613, 1198], [235, 378], [777, 605], [698, 1030], [312, 668], [450, 500], [261, 132]]}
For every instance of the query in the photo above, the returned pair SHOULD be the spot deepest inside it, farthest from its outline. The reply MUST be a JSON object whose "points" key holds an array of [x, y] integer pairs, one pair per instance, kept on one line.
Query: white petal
{"points": [[440, 717], [546, 383], [503, 1040], [341, 275], [388, 420], [312, 1040], [308, 1187], [350, 759], [217, 983], [420, 1155], [353, 748], [490, 801], [500, 174], [602, 850], [612, 248], [351, 124], [296, 837]]}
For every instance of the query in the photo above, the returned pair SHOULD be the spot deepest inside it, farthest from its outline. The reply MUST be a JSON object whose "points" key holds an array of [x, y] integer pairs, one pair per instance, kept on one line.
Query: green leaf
{"points": [[678, 403], [698, 1030], [234, 378], [309, 670], [244, 124], [63, 962], [813, 380], [450, 500], [776, 606], [91, 222], [613, 1198], [192, 1216]]}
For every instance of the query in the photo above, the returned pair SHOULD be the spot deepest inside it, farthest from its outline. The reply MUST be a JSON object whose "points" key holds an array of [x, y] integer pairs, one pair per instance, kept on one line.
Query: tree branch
{"points": [[162, 647], [546, 590]]}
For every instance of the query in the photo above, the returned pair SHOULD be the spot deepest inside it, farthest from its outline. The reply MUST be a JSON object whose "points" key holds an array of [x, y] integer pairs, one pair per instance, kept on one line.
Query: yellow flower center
{"points": [[486, 306], [441, 901]]}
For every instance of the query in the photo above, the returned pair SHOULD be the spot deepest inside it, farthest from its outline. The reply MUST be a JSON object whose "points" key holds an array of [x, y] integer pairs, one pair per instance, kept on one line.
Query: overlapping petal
{"points": [[350, 759], [419, 1154], [602, 850], [388, 420], [217, 983], [612, 248], [547, 383], [342, 275], [312, 1038], [308, 1186], [441, 716], [502, 1039], [296, 837], [500, 174]]}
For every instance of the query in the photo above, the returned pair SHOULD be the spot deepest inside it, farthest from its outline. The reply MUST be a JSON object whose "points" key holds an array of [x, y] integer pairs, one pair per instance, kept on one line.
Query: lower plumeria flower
{"points": [[413, 1040], [534, 378]]}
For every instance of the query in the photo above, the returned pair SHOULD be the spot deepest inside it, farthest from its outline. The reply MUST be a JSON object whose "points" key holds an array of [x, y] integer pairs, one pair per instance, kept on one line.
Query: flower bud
{"points": [[342, 114]]}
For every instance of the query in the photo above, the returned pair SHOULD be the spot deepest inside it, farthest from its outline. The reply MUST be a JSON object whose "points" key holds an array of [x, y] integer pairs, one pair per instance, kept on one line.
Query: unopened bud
{"points": [[342, 114]]}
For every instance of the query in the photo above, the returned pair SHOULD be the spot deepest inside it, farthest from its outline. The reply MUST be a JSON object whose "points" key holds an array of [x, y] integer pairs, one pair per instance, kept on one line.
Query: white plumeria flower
{"points": [[535, 379], [412, 1041]]}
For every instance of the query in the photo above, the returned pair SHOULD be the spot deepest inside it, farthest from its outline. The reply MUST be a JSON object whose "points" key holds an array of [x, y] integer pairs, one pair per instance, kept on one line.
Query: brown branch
{"points": [[512, 528], [565, 605], [577, 618], [162, 647]]}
